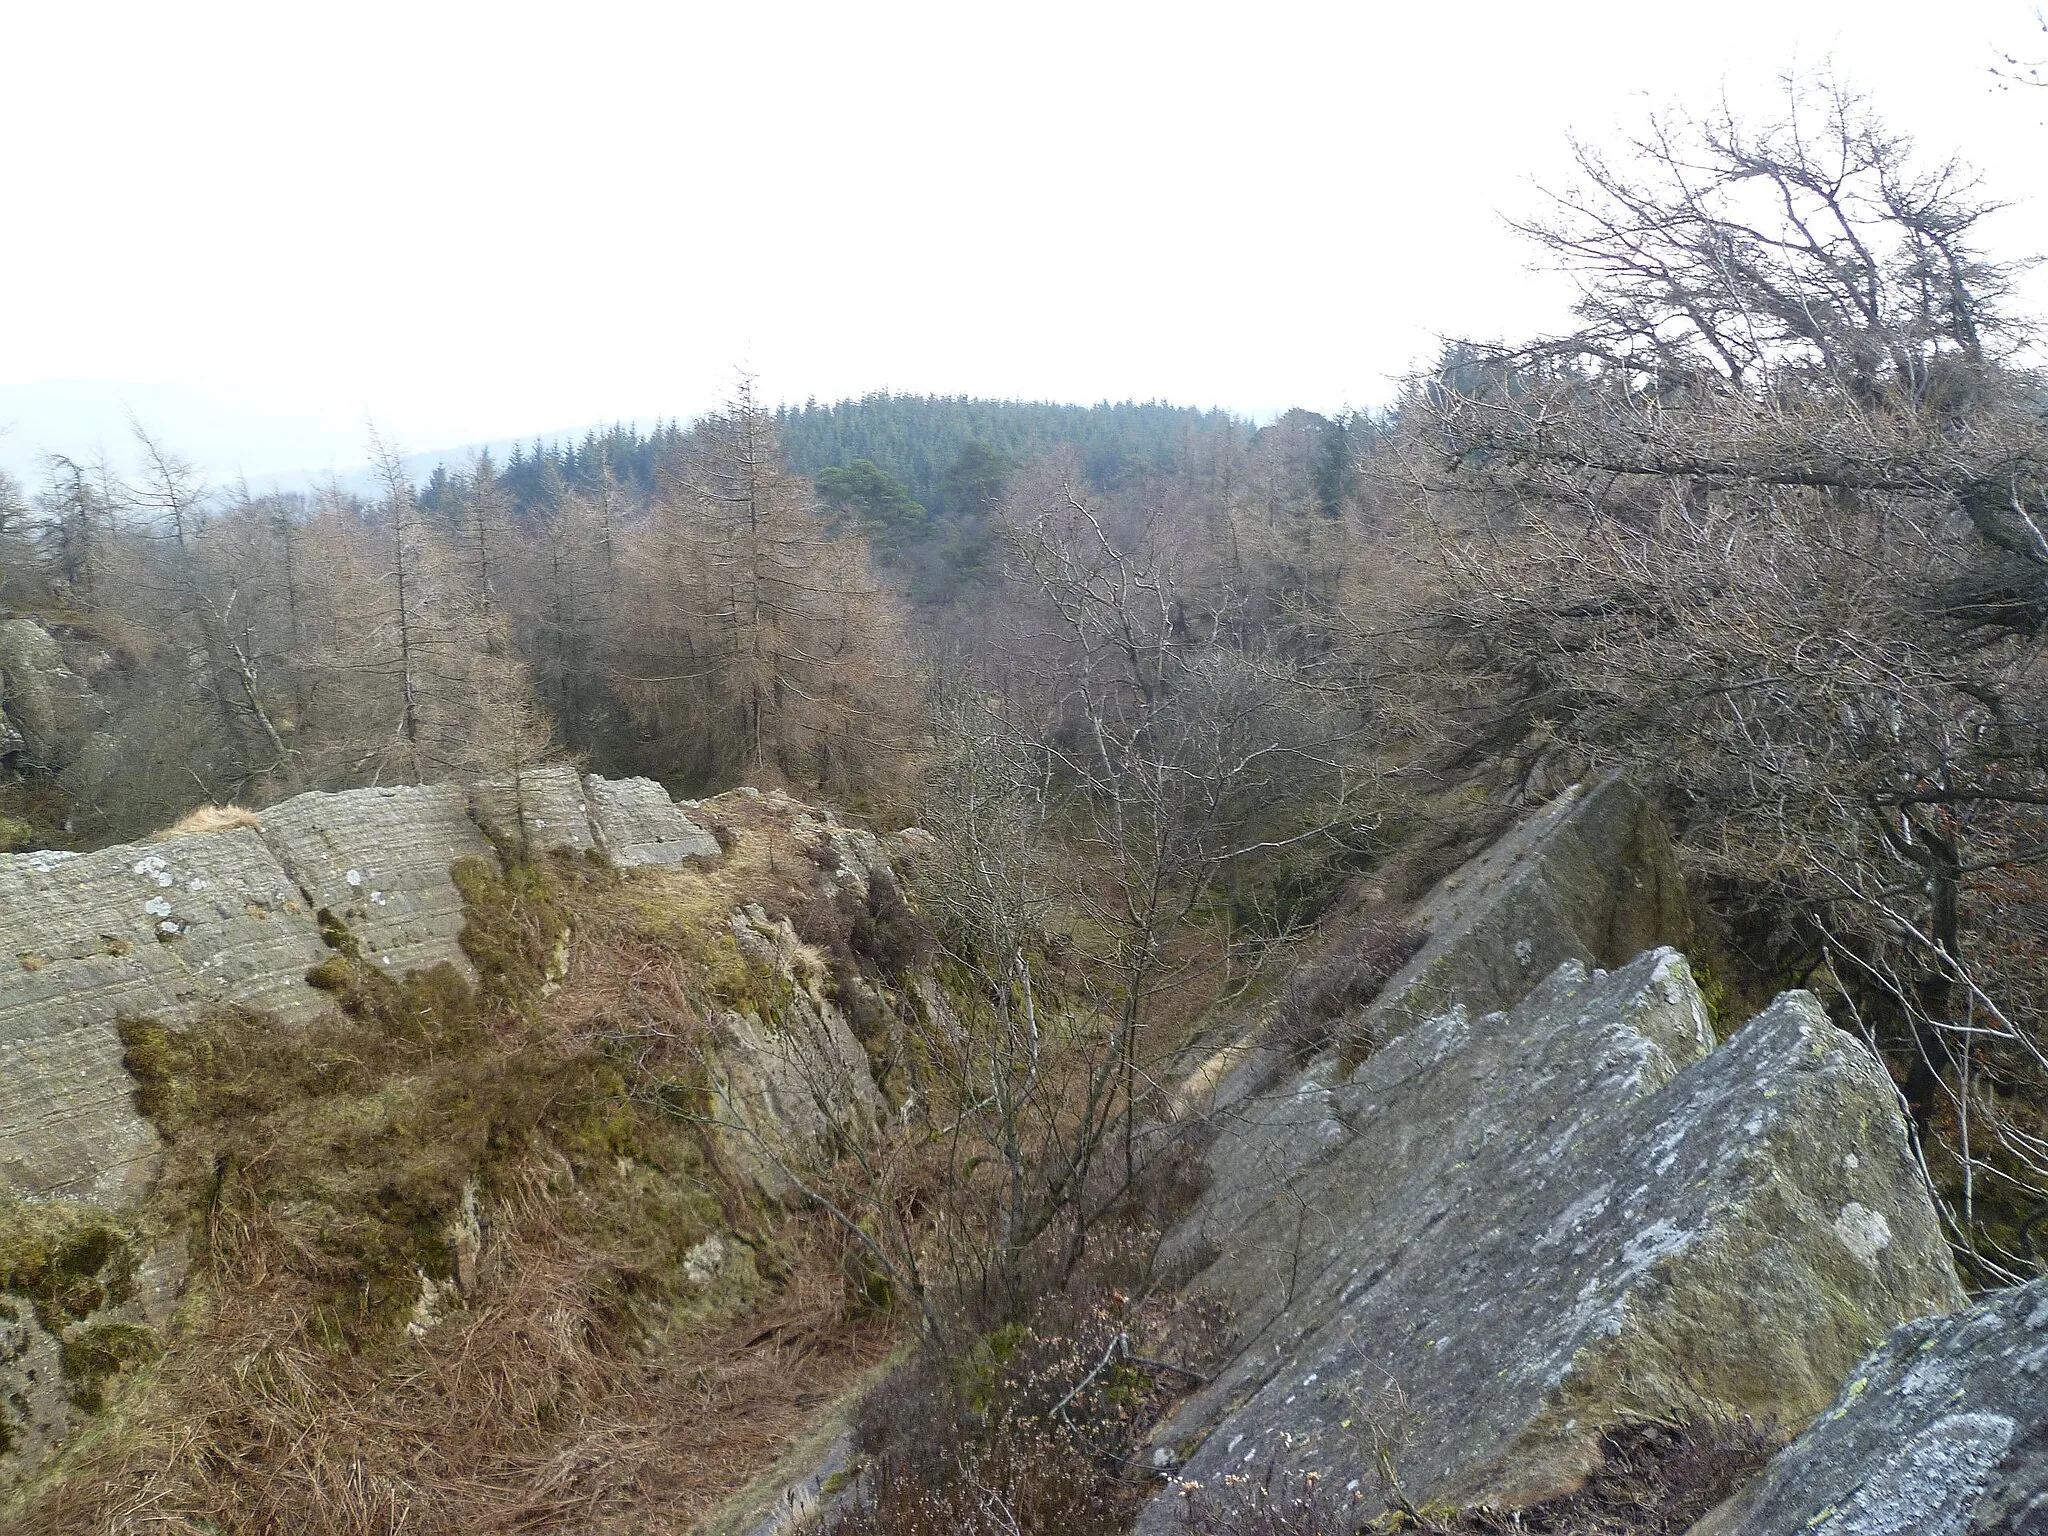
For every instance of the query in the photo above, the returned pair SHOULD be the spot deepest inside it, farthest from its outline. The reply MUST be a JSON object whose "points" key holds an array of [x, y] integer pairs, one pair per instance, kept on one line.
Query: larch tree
{"points": [[753, 642]]}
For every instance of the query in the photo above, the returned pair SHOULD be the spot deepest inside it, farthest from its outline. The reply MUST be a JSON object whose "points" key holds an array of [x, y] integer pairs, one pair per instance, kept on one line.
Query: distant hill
{"points": [[918, 438]]}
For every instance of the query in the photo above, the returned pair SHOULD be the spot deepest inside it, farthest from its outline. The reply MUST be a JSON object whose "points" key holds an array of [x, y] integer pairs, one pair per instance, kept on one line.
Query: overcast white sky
{"points": [[257, 225]]}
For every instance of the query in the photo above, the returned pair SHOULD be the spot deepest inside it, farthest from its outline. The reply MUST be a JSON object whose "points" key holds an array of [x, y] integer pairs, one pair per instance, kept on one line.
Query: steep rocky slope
{"points": [[1547, 1205], [1533, 1198], [557, 1002]]}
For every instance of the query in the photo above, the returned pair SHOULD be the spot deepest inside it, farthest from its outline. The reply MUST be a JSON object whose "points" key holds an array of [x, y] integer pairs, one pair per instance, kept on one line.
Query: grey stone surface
{"points": [[46, 701], [1591, 877], [1942, 1431], [1507, 1233], [785, 1088], [36, 1414], [541, 810], [378, 860], [636, 823], [160, 929]]}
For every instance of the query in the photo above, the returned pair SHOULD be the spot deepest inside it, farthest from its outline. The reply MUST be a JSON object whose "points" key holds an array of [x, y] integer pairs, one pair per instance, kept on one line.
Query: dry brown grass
{"points": [[530, 1410], [208, 818]]}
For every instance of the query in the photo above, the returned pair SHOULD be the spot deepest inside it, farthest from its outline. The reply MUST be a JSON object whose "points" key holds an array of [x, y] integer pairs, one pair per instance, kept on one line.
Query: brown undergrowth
{"points": [[1036, 1429], [462, 1260]]}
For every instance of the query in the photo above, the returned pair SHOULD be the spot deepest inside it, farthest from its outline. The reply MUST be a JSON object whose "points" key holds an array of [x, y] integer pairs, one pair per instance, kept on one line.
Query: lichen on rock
{"points": [[1942, 1431], [1529, 1227]]}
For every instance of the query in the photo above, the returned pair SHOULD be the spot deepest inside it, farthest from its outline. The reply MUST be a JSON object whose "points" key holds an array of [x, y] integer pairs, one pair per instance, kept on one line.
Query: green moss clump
{"points": [[1724, 1010], [15, 833], [96, 1353], [335, 935], [67, 1259], [516, 925]]}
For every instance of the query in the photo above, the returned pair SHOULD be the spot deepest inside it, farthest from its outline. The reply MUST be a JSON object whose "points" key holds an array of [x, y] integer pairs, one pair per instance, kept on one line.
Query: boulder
{"points": [[165, 930], [378, 861], [1503, 1235], [538, 810], [1942, 1431], [636, 823]]}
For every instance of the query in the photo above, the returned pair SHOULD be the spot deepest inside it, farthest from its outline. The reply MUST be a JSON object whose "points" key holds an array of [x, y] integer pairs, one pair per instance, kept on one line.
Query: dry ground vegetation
{"points": [[625, 1337]]}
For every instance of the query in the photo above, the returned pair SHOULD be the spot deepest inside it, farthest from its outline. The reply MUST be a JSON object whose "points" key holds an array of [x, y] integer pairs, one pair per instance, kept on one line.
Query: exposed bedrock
{"points": [[1591, 877], [237, 916], [783, 1094], [173, 928], [379, 861], [554, 809], [1506, 1233], [1942, 1431], [637, 824], [165, 929]]}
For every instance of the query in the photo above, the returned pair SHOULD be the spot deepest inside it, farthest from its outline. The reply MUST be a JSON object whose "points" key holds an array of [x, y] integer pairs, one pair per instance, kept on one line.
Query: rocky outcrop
{"points": [[539, 810], [1943, 1431], [1516, 1231], [632, 822], [1590, 878], [238, 914], [167, 929], [378, 860], [236, 917], [784, 1093], [637, 824]]}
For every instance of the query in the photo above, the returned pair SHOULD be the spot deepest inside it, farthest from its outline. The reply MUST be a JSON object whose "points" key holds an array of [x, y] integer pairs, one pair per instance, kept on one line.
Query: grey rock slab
{"points": [[637, 824], [785, 1089], [1590, 878], [164, 930], [539, 810], [1942, 1431], [379, 860], [1530, 1227]]}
